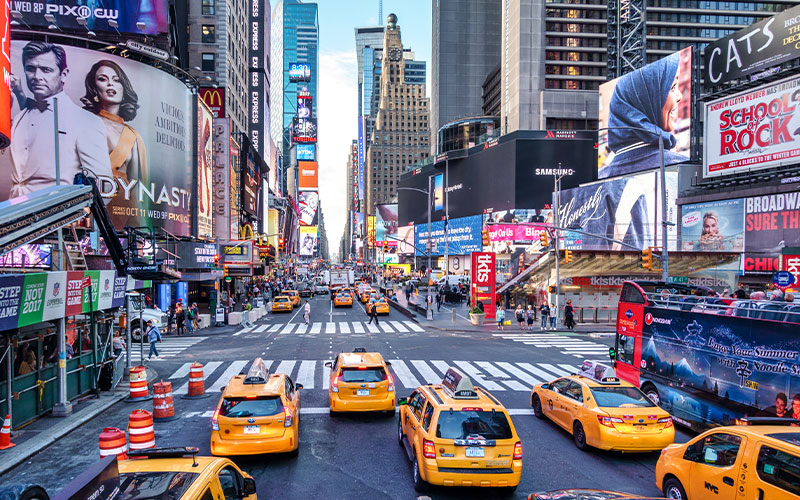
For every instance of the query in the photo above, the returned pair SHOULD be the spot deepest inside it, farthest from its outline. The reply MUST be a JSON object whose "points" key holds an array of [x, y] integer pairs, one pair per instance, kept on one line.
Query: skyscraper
{"points": [[367, 40], [401, 136], [466, 47]]}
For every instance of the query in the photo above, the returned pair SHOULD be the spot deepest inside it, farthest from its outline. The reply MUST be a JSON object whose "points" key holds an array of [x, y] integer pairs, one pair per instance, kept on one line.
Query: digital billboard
{"points": [[753, 130], [205, 171], [28, 256], [386, 222], [304, 104], [405, 235], [251, 181], [308, 241], [5, 66], [152, 16], [214, 99], [128, 123], [258, 83], [463, 236], [305, 152], [222, 179], [309, 201], [304, 130], [299, 72], [715, 226], [771, 223], [657, 97], [307, 175]]}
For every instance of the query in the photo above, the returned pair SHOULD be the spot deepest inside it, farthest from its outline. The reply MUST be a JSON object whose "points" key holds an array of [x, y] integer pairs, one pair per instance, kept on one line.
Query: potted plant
{"points": [[476, 316]]}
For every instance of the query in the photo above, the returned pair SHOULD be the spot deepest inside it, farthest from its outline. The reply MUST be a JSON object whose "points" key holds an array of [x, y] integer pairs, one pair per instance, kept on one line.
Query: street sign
{"points": [[679, 280], [783, 279], [227, 279]]}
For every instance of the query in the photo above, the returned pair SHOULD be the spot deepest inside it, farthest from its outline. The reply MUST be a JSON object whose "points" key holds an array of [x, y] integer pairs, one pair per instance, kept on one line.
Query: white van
{"points": [[454, 280]]}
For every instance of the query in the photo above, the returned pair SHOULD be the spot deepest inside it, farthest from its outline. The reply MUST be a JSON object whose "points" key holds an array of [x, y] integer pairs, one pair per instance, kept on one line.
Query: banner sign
{"points": [[196, 255], [222, 179], [752, 130], [149, 18], [305, 152], [361, 158], [308, 202], [308, 241], [370, 231], [5, 66], [237, 252], [406, 236], [214, 99], [258, 98], [716, 226], [484, 281], [205, 171], [307, 175], [791, 264], [516, 232], [772, 222], [759, 46], [464, 236], [386, 222]]}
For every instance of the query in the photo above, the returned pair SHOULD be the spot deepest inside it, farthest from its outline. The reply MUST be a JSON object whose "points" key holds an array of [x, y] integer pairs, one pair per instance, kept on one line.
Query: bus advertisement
{"points": [[708, 360]]}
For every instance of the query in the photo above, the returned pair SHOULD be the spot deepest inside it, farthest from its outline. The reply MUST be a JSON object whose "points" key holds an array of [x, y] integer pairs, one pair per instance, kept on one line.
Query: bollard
{"points": [[138, 382], [140, 428], [113, 442], [196, 383], [454, 315], [163, 406]]}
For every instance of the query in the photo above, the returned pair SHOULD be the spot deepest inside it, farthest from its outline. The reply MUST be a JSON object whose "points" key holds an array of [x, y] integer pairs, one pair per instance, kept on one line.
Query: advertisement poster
{"points": [[5, 65], [752, 130], [128, 123], [370, 231], [309, 201], [308, 241], [307, 175], [251, 182], [304, 130], [463, 236], [152, 16], [214, 99], [299, 72], [716, 226], [484, 281], [205, 171], [222, 179], [30, 255], [386, 224], [438, 192], [657, 97], [771, 223], [623, 209], [304, 152], [406, 244]]}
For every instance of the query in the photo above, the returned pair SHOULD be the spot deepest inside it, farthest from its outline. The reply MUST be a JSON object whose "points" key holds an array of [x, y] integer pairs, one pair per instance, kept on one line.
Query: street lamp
{"points": [[428, 246]]}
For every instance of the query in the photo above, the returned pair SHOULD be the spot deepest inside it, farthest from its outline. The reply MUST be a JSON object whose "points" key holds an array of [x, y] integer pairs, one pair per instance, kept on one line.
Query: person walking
{"points": [[307, 311], [519, 313], [544, 311], [170, 317], [569, 316], [196, 317], [553, 316], [373, 313], [530, 316], [438, 301], [408, 293], [180, 318], [500, 315], [190, 317], [118, 344], [153, 336]]}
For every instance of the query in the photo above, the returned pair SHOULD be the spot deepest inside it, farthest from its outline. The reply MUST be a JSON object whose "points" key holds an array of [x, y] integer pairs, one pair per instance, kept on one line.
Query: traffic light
{"points": [[647, 259], [280, 244], [568, 256], [485, 237], [551, 289], [216, 261], [225, 267], [543, 239]]}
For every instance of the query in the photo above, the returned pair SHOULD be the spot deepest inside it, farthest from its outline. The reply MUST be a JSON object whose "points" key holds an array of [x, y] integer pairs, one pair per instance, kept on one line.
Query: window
{"points": [[416, 405], [209, 61], [208, 33], [264, 406], [289, 388], [207, 495], [559, 386], [460, 424], [575, 391], [625, 349], [631, 294], [616, 397], [426, 419], [208, 7], [779, 469], [230, 481], [719, 450], [146, 485]]}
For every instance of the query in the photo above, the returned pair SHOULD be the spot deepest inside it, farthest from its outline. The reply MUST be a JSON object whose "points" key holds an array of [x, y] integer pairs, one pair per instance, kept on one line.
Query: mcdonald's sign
{"points": [[214, 99]]}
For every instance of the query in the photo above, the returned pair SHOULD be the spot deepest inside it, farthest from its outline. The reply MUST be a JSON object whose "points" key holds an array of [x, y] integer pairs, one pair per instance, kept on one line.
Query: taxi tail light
{"points": [[215, 420], [518, 451], [667, 421], [288, 420], [391, 381], [609, 421], [335, 386], [428, 450]]}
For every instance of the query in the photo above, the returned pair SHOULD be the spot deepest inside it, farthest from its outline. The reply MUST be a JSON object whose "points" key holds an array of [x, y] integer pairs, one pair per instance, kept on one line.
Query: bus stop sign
{"points": [[783, 279]]}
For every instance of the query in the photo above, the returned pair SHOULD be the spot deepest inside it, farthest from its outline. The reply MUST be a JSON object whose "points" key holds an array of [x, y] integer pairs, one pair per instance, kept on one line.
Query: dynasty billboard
{"points": [[753, 130], [205, 171], [131, 17], [657, 97], [126, 122], [760, 46]]}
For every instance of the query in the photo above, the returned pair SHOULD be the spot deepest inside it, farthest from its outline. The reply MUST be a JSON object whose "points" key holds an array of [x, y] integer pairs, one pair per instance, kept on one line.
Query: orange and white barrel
{"points": [[113, 442], [163, 406], [140, 429], [138, 378], [196, 380]]}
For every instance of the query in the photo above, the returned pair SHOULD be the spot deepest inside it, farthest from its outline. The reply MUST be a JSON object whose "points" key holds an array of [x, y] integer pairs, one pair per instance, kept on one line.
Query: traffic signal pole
{"points": [[556, 205]]}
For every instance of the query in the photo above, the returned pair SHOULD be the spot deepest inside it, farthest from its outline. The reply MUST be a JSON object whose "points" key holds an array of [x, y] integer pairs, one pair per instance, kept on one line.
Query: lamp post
{"points": [[428, 246]]}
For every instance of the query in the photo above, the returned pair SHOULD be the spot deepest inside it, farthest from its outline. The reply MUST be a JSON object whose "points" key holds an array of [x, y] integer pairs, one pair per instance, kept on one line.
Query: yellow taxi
{"points": [[282, 303], [758, 460], [365, 294], [343, 299], [293, 295], [257, 413], [360, 381], [178, 474], [380, 305], [603, 412], [456, 434]]}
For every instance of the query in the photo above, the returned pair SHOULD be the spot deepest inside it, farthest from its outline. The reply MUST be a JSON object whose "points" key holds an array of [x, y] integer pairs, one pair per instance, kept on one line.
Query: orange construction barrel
{"points": [[138, 381], [113, 442], [163, 407], [197, 388], [140, 428]]}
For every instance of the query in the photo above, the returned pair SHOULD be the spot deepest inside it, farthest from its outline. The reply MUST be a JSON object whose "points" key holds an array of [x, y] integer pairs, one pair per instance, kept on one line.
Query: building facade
{"points": [[367, 40], [401, 136]]}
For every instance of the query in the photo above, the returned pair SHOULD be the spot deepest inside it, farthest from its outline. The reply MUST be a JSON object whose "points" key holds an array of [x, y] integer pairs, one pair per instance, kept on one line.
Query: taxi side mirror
{"points": [[545, 386], [249, 486], [402, 401], [329, 364], [388, 363], [298, 386]]}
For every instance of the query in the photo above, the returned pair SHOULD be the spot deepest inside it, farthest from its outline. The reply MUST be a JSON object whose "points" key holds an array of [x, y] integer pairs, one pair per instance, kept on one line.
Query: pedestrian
{"points": [[500, 316], [373, 313], [530, 315], [569, 316], [307, 311], [408, 293], [246, 315], [118, 344], [153, 336], [180, 318], [553, 316], [190, 317], [519, 313], [170, 317], [196, 316], [544, 310], [439, 301]]}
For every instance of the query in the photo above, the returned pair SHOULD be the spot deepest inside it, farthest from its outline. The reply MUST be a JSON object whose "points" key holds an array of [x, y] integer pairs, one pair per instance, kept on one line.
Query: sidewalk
{"points": [[44, 431]]}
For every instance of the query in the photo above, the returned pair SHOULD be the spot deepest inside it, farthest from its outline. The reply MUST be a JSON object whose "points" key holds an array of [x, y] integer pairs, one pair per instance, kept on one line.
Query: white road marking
{"points": [[427, 373], [476, 376], [404, 374], [231, 371], [496, 372], [305, 375], [344, 327]]}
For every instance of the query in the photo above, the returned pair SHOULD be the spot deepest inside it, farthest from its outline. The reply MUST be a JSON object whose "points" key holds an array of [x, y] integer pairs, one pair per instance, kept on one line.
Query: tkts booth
{"points": [[30, 307]]}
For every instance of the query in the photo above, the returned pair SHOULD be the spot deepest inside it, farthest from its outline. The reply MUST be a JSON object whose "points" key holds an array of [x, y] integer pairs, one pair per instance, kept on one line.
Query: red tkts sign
{"points": [[483, 281], [791, 263]]}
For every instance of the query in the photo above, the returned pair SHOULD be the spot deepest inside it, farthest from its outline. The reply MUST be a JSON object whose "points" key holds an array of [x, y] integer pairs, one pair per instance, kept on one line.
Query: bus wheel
{"points": [[651, 392]]}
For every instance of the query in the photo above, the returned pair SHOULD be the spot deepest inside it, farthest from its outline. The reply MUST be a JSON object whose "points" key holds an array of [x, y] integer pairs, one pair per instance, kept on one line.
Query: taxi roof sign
{"points": [[458, 385], [597, 371], [360, 349], [258, 373]]}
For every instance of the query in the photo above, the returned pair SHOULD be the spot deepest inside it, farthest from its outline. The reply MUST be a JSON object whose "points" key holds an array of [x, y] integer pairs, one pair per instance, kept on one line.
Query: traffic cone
{"points": [[5, 434]]}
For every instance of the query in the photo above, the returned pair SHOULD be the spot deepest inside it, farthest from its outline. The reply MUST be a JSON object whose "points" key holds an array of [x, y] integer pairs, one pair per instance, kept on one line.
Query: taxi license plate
{"points": [[640, 427], [362, 392], [474, 451], [252, 429]]}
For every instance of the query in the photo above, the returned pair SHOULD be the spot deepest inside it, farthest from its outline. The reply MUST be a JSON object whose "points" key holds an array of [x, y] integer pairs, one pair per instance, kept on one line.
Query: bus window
{"points": [[631, 295], [625, 349]]}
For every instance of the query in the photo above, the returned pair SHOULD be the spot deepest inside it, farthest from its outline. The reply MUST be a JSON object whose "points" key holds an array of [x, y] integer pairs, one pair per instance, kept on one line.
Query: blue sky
{"points": [[338, 106]]}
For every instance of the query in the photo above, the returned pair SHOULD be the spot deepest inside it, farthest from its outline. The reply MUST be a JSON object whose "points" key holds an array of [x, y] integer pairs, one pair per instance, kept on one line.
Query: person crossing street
{"points": [[307, 312], [153, 336]]}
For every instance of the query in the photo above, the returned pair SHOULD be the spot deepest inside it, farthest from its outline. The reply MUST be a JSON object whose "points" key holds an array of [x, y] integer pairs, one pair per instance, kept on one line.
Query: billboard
{"points": [[309, 201], [370, 231], [251, 182], [299, 72], [307, 175], [222, 179], [405, 235], [258, 98], [308, 241], [196, 255], [771, 223], [28, 256], [656, 97], [483, 281], [305, 152], [464, 236], [760, 46], [153, 16], [715, 226], [205, 171], [304, 130], [214, 99], [752, 130], [5, 65], [127, 122], [361, 158], [304, 104], [386, 222]]}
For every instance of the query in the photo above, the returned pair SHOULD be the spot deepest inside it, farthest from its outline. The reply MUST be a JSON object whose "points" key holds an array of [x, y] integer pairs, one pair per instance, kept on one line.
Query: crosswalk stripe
{"points": [[315, 328], [475, 374], [208, 369], [231, 371], [560, 372], [288, 328], [372, 328], [427, 373], [414, 326], [286, 366], [571, 369], [386, 327], [398, 326], [243, 330], [182, 371], [344, 327], [261, 329], [326, 376], [440, 365], [358, 327], [547, 377], [330, 327], [306, 374], [404, 374], [275, 328], [496, 372], [513, 370]]}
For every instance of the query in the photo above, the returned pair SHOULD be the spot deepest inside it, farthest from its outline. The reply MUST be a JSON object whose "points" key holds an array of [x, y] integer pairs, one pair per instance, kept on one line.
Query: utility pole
{"points": [[664, 219], [429, 248], [556, 209]]}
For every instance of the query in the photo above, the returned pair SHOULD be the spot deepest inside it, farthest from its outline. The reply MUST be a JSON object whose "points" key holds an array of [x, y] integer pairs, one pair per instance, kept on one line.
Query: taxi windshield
{"points": [[265, 406], [162, 485], [619, 397], [282, 299], [463, 423], [362, 375]]}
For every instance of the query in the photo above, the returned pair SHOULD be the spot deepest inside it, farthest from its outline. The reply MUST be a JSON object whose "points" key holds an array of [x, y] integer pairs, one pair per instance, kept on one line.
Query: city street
{"points": [[357, 456]]}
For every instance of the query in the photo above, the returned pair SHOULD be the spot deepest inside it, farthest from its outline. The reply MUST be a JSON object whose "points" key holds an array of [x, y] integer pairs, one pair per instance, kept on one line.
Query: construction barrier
{"points": [[113, 442], [138, 380], [140, 429], [5, 434], [163, 407], [197, 388]]}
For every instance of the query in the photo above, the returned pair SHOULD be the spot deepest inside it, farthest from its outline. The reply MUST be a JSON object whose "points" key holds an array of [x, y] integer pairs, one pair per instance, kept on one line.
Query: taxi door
{"points": [[229, 485], [413, 422], [776, 475], [572, 401], [553, 404], [715, 462]]}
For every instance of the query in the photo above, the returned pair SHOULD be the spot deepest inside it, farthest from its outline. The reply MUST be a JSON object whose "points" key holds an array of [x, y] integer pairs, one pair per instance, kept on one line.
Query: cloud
{"points": [[337, 127]]}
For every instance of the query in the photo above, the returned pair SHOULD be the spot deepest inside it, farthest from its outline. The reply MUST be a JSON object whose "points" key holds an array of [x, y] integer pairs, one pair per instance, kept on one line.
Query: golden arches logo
{"points": [[243, 232]]}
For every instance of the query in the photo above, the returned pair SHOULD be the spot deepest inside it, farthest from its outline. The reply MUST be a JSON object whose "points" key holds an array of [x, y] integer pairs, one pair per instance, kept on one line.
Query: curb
{"points": [[404, 311]]}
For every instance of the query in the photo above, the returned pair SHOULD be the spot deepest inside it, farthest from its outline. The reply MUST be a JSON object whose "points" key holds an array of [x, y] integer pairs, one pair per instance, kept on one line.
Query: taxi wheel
{"points": [[399, 432], [536, 404], [420, 486], [579, 436], [674, 489]]}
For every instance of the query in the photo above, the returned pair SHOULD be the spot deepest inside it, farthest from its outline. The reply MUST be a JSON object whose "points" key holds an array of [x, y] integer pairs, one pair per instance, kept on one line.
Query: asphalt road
{"points": [[358, 456]]}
